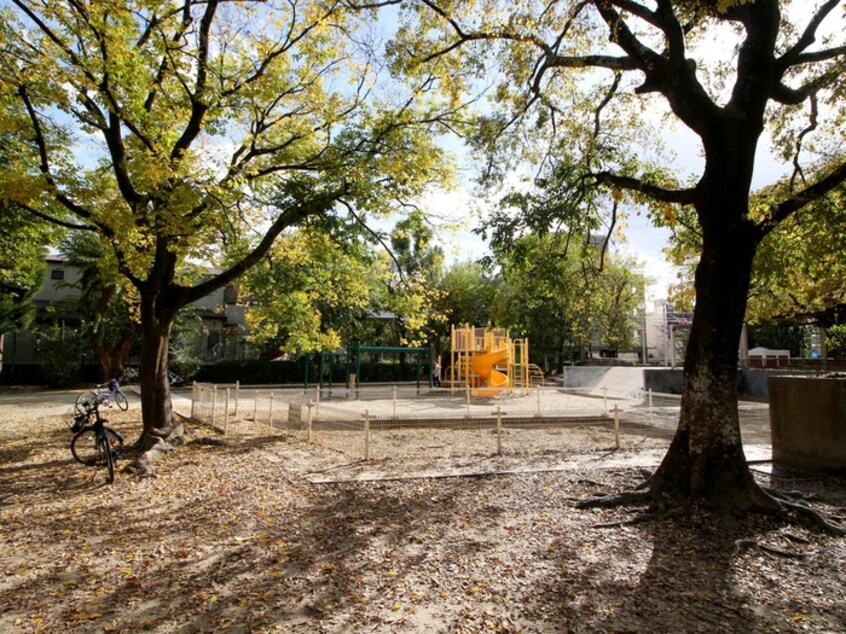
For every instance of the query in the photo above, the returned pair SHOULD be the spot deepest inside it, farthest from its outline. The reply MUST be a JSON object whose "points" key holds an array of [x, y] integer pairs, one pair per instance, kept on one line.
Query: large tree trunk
{"points": [[161, 431], [706, 459]]}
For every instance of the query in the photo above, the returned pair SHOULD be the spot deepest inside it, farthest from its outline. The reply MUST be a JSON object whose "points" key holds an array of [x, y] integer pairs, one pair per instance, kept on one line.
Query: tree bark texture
{"points": [[156, 406], [706, 459], [111, 360]]}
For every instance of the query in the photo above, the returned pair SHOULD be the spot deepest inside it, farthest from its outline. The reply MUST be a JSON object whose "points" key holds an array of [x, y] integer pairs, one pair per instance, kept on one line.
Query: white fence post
{"points": [[237, 396], [468, 399], [498, 430], [367, 435], [605, 399], [650, 405], [316, 407], [193, 398], [255, 407], [539, 407], [226, 414], [308, 421], [616, 427], [214, 407], [270, 411]]}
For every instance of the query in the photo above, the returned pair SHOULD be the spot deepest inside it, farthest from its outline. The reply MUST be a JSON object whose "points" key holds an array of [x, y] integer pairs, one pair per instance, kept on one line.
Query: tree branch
{"points": [[51, 219], [44, 156], [678, 196], [782, 210], [289, 217], [199, 107], [794, 54], [794, 96], [373, 233], [812, 125]]}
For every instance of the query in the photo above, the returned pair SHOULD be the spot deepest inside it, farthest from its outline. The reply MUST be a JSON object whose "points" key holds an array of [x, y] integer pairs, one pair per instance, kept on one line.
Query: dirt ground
{"points": [[260, 531]]}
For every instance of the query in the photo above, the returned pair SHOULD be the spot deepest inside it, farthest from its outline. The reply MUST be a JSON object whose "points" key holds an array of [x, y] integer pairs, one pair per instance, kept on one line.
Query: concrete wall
{"points": [[751, 384], [808, 420], [662, 380], [582, 376]]}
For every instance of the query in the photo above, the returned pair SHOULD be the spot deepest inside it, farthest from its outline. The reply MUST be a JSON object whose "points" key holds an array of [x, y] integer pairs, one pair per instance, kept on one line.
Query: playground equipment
{"points": [[488, 361], [423, 357]]}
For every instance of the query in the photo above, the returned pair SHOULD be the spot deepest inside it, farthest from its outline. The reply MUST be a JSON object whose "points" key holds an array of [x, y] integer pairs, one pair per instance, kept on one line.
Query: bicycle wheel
{"points": [[108, 457], [87, 450], [121, 401], [85, 402]]}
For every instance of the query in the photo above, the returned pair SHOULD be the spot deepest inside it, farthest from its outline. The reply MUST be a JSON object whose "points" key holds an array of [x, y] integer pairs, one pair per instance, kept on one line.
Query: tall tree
{"points": [[201, 129], [555, 293], [309, 294], [593, 76]]}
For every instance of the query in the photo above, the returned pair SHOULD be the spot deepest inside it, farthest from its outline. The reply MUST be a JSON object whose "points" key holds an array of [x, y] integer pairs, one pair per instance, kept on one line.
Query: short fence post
{"points": [[270, 411], [367, 435], [193, 398], [226, 414], [616, 427], [498, 430], [539, 408], [395, 401], [237, 396], [468, 399], [316, 403], [214, 407], [308, 422], [255, 407], [605, 398], [650, 405]]}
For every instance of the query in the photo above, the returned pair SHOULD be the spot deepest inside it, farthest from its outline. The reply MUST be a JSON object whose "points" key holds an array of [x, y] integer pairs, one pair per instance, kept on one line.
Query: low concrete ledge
{"points": [[808, 422]]}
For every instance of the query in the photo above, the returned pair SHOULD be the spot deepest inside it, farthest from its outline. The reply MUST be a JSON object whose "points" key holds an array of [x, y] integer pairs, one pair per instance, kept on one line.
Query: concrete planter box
{"points": [[808, 422]]}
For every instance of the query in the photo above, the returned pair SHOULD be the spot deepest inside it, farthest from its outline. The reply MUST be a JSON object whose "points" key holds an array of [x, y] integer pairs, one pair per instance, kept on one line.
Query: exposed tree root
{"points": [[821, 521], [741, 544], [655, 495], [642, 518], [163, 440], [626, 498]]}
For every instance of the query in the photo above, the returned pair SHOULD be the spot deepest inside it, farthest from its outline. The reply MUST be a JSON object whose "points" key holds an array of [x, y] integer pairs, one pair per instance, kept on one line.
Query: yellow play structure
{"points": [[488, 361]]}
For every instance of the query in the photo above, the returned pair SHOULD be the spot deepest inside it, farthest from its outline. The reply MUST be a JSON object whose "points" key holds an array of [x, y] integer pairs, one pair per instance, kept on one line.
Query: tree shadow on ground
{"points": [[687, 574], [298, 574]]}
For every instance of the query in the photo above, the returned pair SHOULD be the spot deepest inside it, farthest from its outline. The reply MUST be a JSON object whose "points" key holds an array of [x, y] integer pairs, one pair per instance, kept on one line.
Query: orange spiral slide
{"points": [[483, 365]]}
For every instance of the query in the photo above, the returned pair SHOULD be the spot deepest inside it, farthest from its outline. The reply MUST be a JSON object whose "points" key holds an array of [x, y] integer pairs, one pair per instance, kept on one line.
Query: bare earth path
{"points": [[239, 535]]}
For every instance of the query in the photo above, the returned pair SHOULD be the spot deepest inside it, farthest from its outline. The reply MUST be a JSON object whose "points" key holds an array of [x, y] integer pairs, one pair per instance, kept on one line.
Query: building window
{"points": [[57, 274]]}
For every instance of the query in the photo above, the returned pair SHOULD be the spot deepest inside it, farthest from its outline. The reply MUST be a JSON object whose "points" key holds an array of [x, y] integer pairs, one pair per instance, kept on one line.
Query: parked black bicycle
{"points": [[101, 396], [94, 444]]}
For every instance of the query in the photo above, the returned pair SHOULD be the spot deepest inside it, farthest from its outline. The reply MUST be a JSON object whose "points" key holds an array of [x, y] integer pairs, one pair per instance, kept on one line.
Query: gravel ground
{"points": [[260, 531]]}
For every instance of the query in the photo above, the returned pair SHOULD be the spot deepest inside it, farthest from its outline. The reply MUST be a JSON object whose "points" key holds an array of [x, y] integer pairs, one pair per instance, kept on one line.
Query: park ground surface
{"points": [[260, 531]]}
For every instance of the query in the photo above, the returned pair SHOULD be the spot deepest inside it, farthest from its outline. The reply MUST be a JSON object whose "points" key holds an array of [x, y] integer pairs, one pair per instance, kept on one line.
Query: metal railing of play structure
{"points": [[402, 421]]}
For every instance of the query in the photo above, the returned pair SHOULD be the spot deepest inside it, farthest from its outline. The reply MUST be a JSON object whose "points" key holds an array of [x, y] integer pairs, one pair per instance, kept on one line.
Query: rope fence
{"points": [[401, 421]]}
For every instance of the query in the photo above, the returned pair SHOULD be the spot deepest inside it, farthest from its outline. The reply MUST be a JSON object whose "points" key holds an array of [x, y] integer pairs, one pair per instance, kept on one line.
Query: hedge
{"points": [[259, 372]]}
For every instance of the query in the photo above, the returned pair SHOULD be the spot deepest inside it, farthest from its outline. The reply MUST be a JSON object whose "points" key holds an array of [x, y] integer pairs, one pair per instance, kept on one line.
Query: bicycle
{"points": [[95, 444], [85, 401]]}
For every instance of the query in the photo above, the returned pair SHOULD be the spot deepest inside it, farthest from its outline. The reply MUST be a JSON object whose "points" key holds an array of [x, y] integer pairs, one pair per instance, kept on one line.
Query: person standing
{"points": [[352, 369], [436, 373]]}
